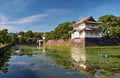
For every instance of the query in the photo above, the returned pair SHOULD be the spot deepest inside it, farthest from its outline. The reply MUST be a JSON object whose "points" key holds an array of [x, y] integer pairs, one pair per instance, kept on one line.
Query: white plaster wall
{"points": [[93, 35], [82, 35], [82, 26], [75, 35], [92, 26]]}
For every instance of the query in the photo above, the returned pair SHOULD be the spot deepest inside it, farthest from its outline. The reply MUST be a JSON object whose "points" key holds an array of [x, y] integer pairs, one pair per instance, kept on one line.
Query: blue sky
{"points": [[45, 15]]}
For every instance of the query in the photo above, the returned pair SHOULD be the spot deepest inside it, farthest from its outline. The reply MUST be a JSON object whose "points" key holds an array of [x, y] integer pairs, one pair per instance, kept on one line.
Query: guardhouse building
{"points": [[85, 28]]}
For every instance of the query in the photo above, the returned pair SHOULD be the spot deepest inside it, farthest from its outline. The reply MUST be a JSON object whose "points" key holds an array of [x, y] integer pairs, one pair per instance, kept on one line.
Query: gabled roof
{"points": [[88, 19]]}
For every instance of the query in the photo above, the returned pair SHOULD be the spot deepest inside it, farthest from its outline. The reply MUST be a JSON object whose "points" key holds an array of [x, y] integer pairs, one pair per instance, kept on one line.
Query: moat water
{"points": [[60, 62]]}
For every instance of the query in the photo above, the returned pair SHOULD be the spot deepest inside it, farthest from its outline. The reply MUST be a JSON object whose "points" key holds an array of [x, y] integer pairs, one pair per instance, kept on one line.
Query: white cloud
{"points": [[57, 11], [20, 23], [30, 19], [25, 20], [10, 28]]}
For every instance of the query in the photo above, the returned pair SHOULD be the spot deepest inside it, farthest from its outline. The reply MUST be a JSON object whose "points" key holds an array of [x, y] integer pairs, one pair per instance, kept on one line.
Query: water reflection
{"points": [[96, 62], [93, 62], [41, 48], [41, 64], [28, 50], [79, 57], [4, 59], [61, 55], [17, 50]]}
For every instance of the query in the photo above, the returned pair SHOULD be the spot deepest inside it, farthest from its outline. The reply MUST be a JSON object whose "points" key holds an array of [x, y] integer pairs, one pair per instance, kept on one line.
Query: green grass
{"points": [[3, 45], [109, 65]]}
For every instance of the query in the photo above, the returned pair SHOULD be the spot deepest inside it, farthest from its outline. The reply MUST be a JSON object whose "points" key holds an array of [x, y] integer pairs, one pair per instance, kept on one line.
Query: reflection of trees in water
{"points": [[61, 56], [4, 59], [29, 50]]}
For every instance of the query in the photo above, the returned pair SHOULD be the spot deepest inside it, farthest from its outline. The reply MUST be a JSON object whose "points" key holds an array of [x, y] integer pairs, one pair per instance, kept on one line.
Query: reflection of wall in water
{"points": [[78, 56]]}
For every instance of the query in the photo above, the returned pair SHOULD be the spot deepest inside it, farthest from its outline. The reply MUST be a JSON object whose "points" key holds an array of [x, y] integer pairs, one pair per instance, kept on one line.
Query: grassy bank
{"points": [[106, 59], [3, 45]]}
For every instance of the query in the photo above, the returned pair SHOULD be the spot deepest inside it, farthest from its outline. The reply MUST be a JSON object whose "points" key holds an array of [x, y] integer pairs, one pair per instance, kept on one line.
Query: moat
{"points": [[23, 61]]}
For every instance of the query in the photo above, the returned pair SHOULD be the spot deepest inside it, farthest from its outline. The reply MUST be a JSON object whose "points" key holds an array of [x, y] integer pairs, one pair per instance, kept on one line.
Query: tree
{"points": [[60, 32], [49, 36], [13, 38], [22, 40], [29, 34], [37, 35], [110, 26], [4, 36]]}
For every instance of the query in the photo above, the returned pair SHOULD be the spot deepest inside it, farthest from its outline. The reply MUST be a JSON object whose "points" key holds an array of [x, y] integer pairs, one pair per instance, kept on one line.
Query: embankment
{"points": [[5, 49], [58, 42], [102, 42], [85, 42]]}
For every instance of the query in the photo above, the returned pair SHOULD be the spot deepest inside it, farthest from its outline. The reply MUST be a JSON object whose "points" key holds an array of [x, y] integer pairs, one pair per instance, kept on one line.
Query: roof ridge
{"points": [[83, 19]]}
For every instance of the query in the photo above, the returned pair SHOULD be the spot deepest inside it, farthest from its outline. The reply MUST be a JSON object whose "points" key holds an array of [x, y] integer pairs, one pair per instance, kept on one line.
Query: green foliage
{"points": [[22, 40], [60, 32], [4, 59], [29, 36], [49, 36], [13, 38], [4, 36], [21, 33], [21, 37], [110, 26], [37, 35]]}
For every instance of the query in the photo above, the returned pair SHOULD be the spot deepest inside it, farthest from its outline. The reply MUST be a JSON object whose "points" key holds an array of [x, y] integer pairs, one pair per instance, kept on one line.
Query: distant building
{"points": [[43, 36], [19, 36], [85, 28]]}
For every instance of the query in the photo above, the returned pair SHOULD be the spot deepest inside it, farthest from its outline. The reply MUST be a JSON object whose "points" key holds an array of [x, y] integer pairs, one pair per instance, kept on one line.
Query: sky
{"points": [[45, 15]]}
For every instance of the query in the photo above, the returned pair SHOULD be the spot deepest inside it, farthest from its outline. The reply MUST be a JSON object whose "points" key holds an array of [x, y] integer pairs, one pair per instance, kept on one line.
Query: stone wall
{"points": [[58, 42], [78, 42], [101, 42], [85, 42]]}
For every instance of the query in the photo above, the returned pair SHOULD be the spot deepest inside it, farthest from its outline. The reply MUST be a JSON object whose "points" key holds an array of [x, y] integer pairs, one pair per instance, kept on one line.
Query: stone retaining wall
{"points": [[78, 42], [58, 42], [101, 42], [85, 42]]}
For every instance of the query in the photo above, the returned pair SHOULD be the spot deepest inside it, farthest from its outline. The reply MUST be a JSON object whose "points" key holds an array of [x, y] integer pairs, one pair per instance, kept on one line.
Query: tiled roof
{"points": [[88, 19]]}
